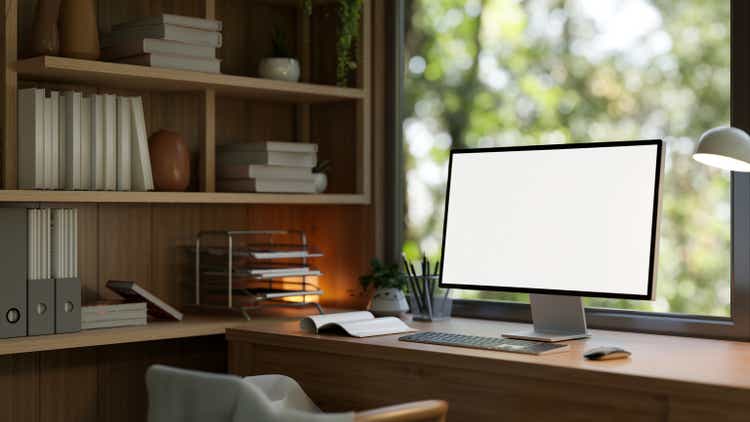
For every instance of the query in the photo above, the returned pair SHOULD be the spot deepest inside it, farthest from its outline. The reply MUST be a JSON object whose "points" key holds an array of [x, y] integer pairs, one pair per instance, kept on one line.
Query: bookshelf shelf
{"points": [[179, 197], [126, 76], [190, 326]]}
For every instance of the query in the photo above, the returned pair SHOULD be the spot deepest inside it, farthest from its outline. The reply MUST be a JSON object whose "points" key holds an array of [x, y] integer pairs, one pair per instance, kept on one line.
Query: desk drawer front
{"points": [[339, 382]]}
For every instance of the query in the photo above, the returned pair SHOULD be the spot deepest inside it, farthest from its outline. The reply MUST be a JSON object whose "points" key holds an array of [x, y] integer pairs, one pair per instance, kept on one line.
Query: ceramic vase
{"points": [[320, 180], [45, 39], [388, 302], [79, 33], [170, 161], [279, 68]]}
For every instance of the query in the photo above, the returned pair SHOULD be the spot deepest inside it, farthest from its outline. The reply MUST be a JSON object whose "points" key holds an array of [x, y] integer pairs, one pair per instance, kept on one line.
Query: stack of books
{"points": [[279, 167], [67, 140], [108, 315], [170, 41]]}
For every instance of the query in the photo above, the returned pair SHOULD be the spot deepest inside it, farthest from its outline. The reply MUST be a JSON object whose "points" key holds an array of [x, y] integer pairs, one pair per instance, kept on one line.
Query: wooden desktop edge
{"points": [[549, 367]]}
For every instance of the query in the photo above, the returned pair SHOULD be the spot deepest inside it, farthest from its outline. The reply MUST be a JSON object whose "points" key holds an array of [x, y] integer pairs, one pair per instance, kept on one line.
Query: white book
{"points": [[265, 185], [74, 247], [71, 130], [271, 158], [140, 46], [173, 61], [164, 32], [85, 144], [260, 171], [269, 146], [47, 143], [356, 324], [57, 233], [110, 142], [47, 243], [63, 149], [113, 309], [113, 316], [97, 142], [179, 20], [30, 245], [113, 324], [55, 131], [141, 177], [31, 138], [123, 143]]}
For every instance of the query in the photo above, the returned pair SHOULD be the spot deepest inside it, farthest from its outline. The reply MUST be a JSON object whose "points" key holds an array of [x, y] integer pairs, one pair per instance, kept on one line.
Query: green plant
{"points": [[383, 276], [349, 14], [279, 44], [308, 7]]}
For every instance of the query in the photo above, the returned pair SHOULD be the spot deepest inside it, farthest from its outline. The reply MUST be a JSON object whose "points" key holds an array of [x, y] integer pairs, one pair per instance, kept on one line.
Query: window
{"points": [[507, 72]]}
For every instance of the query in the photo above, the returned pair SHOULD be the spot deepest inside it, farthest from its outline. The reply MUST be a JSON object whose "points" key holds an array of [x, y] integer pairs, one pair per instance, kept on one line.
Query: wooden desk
{"points": [[666, 379]]}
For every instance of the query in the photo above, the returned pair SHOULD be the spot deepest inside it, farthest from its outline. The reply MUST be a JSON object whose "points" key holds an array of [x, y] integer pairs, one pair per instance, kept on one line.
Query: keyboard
{"points": [[487, 343]]}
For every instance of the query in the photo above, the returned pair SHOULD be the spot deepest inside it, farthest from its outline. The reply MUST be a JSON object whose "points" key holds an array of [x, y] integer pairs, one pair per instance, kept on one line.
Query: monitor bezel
{"points": [[580, 145]]}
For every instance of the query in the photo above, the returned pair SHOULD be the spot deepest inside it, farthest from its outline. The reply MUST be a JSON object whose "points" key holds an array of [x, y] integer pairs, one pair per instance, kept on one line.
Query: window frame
{"points": [[736, 326]]}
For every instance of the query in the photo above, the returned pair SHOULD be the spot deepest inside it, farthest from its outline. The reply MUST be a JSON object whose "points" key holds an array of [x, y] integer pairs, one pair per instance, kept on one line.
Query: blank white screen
{"points": [[576, 219]]}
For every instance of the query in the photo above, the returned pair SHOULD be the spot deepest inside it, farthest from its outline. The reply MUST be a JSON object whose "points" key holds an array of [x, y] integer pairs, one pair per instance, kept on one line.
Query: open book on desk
{"points": [[355, 324]]}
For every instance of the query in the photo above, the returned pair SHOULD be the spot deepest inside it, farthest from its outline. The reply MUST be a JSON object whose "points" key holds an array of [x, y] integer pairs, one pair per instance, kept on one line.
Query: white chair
{"points": [[179, 395]]}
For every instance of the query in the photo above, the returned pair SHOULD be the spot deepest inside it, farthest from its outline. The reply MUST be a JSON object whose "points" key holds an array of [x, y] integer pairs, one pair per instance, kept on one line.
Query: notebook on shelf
{"points": [[157, 308]]}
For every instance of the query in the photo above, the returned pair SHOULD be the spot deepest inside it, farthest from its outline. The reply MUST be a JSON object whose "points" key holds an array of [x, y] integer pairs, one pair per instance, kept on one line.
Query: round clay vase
{"points": [[279, 68], [170, 161], [79, 32]]}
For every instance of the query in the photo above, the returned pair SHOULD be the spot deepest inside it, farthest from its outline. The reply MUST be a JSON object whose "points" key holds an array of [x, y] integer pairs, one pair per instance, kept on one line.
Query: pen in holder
{"points": [[427, 301]]}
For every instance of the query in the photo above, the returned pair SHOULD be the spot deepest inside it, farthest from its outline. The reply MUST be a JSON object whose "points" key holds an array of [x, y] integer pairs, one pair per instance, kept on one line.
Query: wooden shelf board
{"points": [[190, 326], [126, 76], [9, 195]]}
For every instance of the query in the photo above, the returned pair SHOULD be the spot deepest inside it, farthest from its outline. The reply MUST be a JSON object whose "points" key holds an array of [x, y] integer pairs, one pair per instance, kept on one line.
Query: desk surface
{"points": [[656, 359]]}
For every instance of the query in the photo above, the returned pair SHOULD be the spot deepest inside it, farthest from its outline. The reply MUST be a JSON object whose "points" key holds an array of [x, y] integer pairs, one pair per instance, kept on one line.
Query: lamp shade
{"points": [[724, 147]]}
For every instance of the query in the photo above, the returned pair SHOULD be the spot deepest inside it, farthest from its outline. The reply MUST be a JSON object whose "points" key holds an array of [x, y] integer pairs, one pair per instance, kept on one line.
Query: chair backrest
{"points": [[191, 396], [419, 411]]}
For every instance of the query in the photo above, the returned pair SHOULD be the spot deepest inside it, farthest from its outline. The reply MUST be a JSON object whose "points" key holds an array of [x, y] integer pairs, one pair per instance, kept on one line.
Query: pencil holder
{"points": [[427, 301]]}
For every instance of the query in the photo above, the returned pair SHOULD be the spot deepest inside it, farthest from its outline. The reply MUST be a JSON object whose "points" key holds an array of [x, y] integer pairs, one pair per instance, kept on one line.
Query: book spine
{"points": [[123, 144], [110, 142]]}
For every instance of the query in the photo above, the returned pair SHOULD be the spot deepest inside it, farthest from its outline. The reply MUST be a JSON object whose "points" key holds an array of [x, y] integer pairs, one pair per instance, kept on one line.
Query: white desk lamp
{"points": [[724, 147]]}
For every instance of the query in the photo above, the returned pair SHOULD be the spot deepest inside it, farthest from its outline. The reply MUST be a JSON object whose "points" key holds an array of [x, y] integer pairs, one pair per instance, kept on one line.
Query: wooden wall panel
{"points": [[19, 384], [174, 230], [68, 386], [124, 245], [88, 251]]}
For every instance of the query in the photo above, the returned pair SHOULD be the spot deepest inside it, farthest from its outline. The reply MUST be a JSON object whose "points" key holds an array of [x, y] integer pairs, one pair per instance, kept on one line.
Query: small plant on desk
{"points": [[389, 284]]}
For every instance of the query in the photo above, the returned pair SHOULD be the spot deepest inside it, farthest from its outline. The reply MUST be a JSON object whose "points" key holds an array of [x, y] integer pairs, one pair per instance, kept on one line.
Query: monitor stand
{"points": [[555, 318]]}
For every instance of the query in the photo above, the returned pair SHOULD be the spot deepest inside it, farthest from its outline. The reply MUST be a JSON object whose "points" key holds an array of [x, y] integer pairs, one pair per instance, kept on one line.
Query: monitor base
{"points": [[548, 337], [555, 318]]}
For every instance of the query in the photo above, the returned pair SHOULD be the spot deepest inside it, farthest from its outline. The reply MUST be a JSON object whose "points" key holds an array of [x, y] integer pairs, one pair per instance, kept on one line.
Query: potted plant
{"points": [[281, 65], [389, 283]]}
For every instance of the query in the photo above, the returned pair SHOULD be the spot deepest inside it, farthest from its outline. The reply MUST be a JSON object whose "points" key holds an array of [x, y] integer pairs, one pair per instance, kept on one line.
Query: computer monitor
{"points": [[556, 221]]}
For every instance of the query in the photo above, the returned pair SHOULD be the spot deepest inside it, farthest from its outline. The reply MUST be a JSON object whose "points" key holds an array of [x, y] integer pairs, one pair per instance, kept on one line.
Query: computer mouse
{"points": [[606, 353]]}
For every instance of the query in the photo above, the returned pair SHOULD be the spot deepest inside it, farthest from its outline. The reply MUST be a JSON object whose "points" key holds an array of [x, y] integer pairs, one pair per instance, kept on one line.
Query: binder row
{"points": [[40, 292], [70, 141]]}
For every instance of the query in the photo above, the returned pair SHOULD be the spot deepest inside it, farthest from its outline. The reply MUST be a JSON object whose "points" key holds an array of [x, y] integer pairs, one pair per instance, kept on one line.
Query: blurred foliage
{"points": [[510, 72]]}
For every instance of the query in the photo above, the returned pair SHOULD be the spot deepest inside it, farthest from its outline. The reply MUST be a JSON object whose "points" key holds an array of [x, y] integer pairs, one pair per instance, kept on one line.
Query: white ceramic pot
{"points": [[388, 302], [279, 68], [320, 180]]}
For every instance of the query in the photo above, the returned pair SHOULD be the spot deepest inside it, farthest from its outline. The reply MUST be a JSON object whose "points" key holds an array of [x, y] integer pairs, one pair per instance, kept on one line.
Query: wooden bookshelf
{"points": [[190, 326], [213, 109], [132, 77], [9, 195]]}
